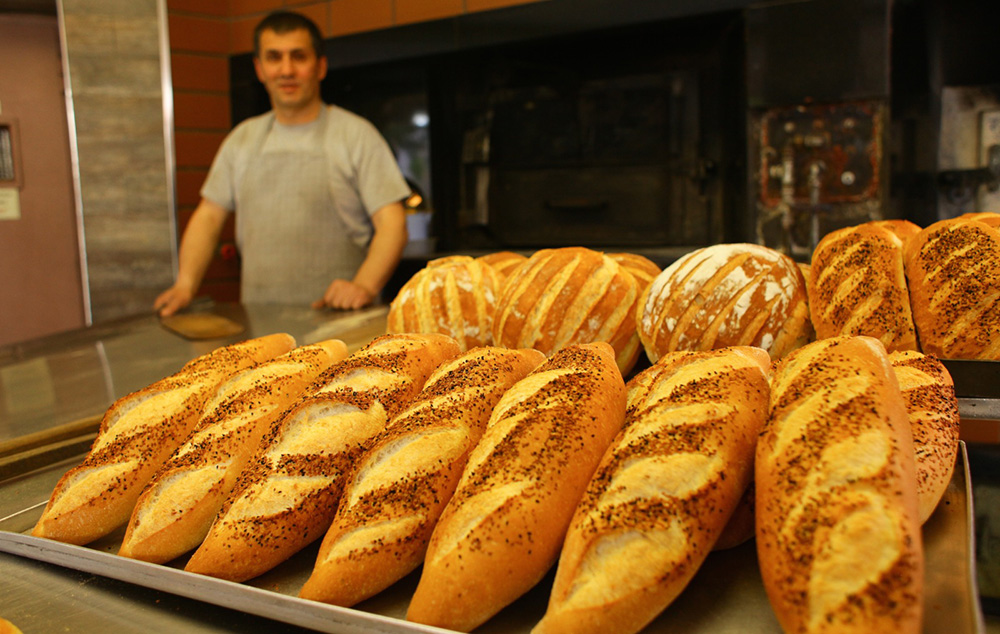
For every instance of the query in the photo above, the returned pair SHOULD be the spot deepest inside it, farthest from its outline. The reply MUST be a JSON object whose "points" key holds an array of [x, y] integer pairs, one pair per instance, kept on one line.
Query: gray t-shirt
{"points": [[363, 175]]}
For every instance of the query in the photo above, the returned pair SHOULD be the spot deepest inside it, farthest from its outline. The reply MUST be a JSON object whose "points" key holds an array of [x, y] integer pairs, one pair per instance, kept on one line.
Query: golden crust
{"points": [[565, 296], [663, 491], [504, 526], [180, 502], [838, 533], [286, 496], [953, 272], [137, 435], [929, 394], [857, 286], [454, 296], [726, 295], [398, 489]]}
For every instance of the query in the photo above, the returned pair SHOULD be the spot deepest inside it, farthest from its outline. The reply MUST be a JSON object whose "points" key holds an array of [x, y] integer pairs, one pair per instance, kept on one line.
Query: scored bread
{"points": [[644, 271], [503, 262], [838, 533], [726, 295], [953, 273], [858, 286], [929, 394], [503, 528], [564, 296], [663, 491], [180, 502], [287, 495], [454, 295], [399, 487], [137, 434]]}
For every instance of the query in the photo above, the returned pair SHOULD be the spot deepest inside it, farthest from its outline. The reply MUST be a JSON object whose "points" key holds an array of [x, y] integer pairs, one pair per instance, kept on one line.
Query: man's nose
{"points": [[285, 65]]}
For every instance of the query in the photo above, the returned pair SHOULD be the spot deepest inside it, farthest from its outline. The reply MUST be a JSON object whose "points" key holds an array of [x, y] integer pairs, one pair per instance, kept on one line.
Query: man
{"points": [[316, 190]]}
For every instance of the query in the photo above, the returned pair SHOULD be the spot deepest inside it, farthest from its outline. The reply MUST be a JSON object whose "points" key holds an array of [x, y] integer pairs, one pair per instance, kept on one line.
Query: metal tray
{"points": [[726, 596]]}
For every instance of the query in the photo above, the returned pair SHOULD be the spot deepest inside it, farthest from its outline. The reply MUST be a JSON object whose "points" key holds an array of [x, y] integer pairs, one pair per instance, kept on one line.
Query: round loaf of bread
{"points": [[726, 295], [565, 296], [455, 296], [504, 262], [953, 274]]}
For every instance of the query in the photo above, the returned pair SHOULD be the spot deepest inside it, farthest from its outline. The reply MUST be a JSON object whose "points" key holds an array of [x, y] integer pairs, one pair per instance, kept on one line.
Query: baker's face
{"points": [[289, 69]]}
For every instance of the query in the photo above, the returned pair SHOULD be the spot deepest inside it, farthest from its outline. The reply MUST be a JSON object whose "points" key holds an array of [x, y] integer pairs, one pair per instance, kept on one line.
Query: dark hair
{"points": [[285, 22]]}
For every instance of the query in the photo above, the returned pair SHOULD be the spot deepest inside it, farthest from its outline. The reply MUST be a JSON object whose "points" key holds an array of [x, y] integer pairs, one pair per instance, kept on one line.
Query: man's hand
{"points": [[172, 300], [345, 294]]}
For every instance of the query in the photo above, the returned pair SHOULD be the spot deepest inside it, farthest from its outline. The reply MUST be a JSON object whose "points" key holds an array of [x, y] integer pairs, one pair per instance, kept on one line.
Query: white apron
{"points": [[292, 241]]}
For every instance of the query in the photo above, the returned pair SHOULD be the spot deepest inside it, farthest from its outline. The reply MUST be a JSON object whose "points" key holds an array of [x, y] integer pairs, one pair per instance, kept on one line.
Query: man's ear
{"points": [[257, 68], [322, 67]]}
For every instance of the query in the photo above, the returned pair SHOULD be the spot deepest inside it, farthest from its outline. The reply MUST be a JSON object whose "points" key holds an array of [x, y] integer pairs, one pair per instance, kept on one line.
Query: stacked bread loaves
{"points": [[454, 296], [726, 295], [561, 297], [137, 435]]}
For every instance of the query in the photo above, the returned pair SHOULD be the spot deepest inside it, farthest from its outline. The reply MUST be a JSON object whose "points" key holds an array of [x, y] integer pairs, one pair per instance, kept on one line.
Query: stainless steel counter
{"points": [[58, 380]]}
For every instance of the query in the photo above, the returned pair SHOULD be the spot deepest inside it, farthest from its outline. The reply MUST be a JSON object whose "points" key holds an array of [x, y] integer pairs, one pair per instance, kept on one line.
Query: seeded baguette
{"points": [[287, 495], [398, 489], [178, 505], [858, 286], [663, 492], [137, 435], [929, 394], [504, 526], [838, 532], [953, 273]]}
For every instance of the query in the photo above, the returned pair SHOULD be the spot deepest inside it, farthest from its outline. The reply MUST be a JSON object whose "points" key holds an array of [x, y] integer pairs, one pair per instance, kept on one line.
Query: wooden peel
{"points": [[201, 325]]}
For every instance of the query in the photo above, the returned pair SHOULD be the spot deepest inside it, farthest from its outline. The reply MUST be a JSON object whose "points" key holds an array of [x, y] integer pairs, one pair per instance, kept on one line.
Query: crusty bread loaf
{"points": [[503, 262], [990, 218], [504, 526], [929, 394], [398, 489], [953, 273], [858, 287], [454, 295], [838, 532], [903, 229], [180, 502], [726, 295], [564, 296], [287, 495], [137, 434], [663, 491], [644, 271]]}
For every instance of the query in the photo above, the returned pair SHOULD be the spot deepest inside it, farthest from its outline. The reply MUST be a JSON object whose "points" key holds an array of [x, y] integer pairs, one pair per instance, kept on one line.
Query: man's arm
{"points": [[201, 236], [384, 253]]}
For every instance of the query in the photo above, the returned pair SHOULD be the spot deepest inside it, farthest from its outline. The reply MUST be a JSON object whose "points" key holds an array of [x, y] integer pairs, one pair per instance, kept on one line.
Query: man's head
{"points": [[289, 62], [284, 21]]}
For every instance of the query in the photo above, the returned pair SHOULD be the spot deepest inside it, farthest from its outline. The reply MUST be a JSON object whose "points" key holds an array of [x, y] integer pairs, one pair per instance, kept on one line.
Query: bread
{"points": [[180, 502], [903, 229], [504, 526], [663, 492], [286, 496], [454, 296], [397, 490], [564, 296], [644, 271], [953, 273], [929, 394], [838, 533], [137, 434], [726, 295], [503, 262], [990, 218], [858, 287]]}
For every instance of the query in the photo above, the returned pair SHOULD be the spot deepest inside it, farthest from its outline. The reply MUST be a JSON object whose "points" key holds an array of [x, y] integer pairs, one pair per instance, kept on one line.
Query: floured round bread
{"points": [[454, 296], [565, 296], [726, 295]]}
